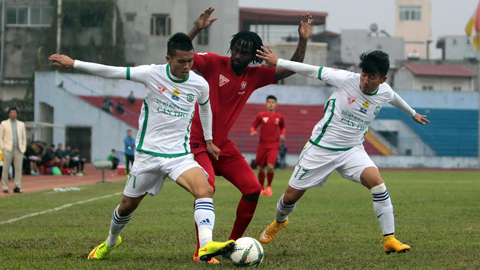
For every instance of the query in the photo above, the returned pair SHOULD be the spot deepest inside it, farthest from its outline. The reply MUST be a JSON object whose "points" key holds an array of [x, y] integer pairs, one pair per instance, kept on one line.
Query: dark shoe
{"points": [[17, 190], [5, 191]]}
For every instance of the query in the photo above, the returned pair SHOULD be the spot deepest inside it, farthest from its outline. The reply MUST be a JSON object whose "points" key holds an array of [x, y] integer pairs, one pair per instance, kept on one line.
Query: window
{"points": [[160, 25], [457, 88], [410, 13], [202, 38], [130, 17], [29, 16], [427, 87]]}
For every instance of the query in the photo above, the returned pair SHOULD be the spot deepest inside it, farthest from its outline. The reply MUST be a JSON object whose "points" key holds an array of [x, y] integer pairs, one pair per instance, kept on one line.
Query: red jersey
{"points": [[228, 93], [272, 126]]}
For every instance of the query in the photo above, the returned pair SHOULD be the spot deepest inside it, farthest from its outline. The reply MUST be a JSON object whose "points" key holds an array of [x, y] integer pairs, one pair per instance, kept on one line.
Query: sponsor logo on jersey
{"points": [[277, 121], [161, 88], [362, 110], [265, 119], [244, 85], [190, 98], [222, 81], [365, 104], [377, 110], [351, 99], [176, 94]]}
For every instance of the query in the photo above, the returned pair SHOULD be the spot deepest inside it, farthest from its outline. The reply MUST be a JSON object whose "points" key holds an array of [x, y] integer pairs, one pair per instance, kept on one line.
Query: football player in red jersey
{"points": [[272, 130], [232, 81]]}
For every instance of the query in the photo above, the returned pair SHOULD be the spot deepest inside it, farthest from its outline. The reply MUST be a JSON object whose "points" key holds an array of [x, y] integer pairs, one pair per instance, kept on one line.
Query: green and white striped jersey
{"points": [[348, 112], [167, 110]]}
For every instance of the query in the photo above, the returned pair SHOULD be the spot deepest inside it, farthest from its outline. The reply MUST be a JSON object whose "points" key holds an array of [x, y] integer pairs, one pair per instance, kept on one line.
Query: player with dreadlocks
{"points": [[231, 82]]}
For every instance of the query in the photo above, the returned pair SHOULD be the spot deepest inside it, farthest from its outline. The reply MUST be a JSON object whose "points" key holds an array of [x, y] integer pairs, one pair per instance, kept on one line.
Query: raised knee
{"points": [[204, 192], [252, 197]]}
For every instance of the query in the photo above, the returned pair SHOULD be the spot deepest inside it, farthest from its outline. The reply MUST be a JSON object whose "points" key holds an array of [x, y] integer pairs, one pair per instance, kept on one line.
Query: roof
{"points": [[439, 70], [277, 16]]}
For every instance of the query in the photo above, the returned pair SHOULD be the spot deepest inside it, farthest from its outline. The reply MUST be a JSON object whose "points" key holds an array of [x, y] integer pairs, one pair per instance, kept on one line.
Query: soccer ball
{"points": [[247, 252]]}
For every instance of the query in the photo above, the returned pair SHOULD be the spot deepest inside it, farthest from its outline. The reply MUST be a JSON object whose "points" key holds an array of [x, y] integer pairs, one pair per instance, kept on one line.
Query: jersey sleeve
{"points": [[333, 76], [256, 122], [281, 125], [266, 76], [202, 60], [140, 74], [205, 97]]}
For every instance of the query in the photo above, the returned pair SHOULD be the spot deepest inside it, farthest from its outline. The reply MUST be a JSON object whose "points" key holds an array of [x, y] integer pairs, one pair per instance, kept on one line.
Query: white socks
{"points": [[382, 205], [283, 210], [116, 226], [205, 218]]}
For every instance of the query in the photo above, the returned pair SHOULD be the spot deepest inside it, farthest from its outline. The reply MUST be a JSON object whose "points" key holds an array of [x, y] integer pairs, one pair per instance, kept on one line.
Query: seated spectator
{"points": [[30, 158], [49, 159], [107, 105], [120, 107], [131, 98], [61, 155], [113, 158], [77, 163]]}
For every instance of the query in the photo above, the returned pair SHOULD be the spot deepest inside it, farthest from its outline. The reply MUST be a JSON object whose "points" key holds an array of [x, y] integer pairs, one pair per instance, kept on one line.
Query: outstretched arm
{"points": [[399, 103], [271, 60], [304, 32], [203, 22], [109, 72]]}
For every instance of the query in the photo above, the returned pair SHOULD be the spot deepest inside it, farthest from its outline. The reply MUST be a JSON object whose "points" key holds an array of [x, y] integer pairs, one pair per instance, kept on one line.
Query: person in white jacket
{"points": [[13, 142], [337, 139]]}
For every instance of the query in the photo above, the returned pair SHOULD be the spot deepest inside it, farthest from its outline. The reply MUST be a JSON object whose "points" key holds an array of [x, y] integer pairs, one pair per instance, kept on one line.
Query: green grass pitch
{"points": [[436, 212]]}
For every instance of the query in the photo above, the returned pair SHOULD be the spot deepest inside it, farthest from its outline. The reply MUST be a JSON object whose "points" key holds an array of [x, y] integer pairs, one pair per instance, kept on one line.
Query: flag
{"points": [[473, 28]]}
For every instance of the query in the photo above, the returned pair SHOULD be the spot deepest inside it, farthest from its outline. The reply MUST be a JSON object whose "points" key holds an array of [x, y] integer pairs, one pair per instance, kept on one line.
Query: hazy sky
{"points": [[449, 17]]}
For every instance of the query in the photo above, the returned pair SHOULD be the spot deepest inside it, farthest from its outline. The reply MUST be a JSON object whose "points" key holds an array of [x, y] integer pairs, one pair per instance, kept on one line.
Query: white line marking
{"points": [[58, 208]]}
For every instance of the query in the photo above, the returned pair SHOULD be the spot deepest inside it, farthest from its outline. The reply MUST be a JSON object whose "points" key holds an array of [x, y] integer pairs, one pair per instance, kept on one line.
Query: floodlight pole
{"points": [[59, 25]]}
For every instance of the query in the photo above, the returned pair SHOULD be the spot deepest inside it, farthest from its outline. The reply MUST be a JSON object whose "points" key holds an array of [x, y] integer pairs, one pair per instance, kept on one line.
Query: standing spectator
{"points": [[131, 98], [282, 151], [272, 131], [129, 150], [113, 158], [13, 142]]}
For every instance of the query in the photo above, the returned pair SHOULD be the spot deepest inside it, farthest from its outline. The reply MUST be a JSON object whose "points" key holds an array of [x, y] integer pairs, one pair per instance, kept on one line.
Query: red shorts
{"points": [[266, 156], [231, 165]]}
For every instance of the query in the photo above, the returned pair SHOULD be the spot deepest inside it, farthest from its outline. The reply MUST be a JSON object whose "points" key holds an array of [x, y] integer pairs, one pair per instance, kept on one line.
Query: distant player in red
{"points": [[272, 130], [231, 82]]}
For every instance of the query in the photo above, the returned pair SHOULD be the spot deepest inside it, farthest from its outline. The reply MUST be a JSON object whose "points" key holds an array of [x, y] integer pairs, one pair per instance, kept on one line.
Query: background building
{"points": [[413, 23]]}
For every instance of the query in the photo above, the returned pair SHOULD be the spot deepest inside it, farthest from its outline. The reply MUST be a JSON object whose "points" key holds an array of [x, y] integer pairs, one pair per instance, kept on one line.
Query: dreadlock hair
{"points": [[179, 41], [374, 61], [246, 37]]}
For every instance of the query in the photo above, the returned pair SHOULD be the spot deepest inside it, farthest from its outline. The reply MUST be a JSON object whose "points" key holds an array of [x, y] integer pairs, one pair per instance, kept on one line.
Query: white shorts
{"points": [[316, 164], [148, 173]]}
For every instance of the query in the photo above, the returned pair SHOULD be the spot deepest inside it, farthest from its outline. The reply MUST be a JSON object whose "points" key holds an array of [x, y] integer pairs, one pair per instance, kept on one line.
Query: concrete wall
{"points": [[356, 42], [316, 55], [404, 79], [459, 48], [107, 131], [143, 48]]}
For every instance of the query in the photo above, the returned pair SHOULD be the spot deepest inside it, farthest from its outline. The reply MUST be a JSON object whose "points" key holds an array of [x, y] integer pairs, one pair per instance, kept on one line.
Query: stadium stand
{"points": [[452, 132], [299, 123]]}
